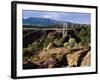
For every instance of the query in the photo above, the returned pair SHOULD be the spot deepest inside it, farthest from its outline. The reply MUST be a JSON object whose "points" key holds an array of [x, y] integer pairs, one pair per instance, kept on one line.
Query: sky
{"points": [[81, 18]]}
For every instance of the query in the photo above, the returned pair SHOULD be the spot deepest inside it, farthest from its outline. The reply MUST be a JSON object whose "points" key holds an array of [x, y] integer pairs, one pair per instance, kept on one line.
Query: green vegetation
{"points": [[47, 41], [58, 42], [84, 35]]}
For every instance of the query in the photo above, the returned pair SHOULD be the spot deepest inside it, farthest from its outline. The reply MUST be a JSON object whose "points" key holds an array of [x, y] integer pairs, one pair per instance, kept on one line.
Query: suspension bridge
{"points": [[63, 29]]}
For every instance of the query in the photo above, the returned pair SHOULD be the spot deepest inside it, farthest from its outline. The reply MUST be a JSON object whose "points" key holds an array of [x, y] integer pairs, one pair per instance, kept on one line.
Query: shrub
{"points": [[58, 42], [47, 41], [72, 42], [27, 51], [66, 44], [37, 45], [85, 35]]}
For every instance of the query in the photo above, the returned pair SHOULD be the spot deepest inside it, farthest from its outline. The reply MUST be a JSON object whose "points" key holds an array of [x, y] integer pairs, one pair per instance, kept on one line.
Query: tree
{"points": [[84, 34]]}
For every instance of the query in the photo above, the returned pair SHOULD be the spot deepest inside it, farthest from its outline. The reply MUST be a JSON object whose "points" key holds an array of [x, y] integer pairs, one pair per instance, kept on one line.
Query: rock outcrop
{"points": [[86, 60], [62, 57]]}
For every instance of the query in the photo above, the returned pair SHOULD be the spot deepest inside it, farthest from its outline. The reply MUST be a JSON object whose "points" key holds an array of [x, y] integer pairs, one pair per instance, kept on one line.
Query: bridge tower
{"points": [[64, 29]]}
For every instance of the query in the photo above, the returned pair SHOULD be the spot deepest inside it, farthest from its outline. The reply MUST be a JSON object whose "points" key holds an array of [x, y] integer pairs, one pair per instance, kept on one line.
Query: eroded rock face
{"points": [[75, 58], [54, 34], [62, 57], [29, 38], [86, 60]]}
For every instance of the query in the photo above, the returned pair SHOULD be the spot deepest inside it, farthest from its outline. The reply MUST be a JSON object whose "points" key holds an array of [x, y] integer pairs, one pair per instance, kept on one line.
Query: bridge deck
{"points": [[43, 29]]}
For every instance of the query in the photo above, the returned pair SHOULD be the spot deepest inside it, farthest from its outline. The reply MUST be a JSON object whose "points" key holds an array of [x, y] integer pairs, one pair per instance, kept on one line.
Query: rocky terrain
{"points": [[60, 57], [50, 50]]}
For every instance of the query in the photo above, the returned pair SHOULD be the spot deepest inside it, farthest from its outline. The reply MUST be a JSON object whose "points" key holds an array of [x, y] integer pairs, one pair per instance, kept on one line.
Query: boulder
{"points": [[75, 58], [72, 58]]}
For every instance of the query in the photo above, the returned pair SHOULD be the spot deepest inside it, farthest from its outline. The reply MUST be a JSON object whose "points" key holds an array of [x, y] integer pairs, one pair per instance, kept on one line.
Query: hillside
{"points": [[45, 22]]}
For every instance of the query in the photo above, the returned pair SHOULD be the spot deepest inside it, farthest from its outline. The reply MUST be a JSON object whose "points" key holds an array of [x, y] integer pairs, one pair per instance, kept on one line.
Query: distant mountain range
{"points": [[42, 21], [45, 22]]}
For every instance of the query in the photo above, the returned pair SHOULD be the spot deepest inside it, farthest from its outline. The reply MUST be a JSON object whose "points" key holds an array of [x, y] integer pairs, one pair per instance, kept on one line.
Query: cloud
{"points": [[51, 16], [46, 16]]}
